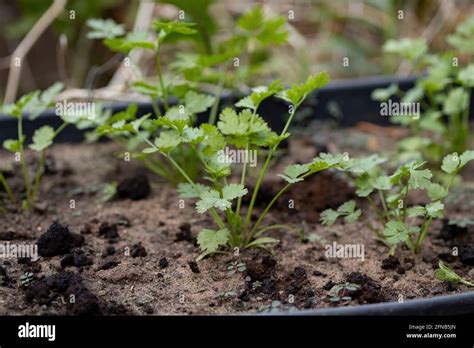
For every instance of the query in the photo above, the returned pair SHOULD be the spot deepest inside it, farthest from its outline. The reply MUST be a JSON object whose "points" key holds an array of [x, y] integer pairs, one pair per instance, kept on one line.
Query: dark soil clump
{"points": [[108, 231], [194, 267], [135, 188], [79, 300], [466, 254], [58, 241], [77, 259], [390, 262], [369, 290], [138, 250]]}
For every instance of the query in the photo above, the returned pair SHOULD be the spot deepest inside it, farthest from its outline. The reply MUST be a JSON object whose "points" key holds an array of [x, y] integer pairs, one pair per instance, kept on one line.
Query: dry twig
{"points": [[25, 45]]}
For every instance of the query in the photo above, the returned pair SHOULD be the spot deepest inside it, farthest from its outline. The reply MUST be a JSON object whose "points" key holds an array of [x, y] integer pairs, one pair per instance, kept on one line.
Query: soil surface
{"points": [[136, 254]]}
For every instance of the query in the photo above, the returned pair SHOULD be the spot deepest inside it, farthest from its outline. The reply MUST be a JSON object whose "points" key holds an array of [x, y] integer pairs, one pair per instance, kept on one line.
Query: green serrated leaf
{"points": [[436, 191], [416, 211], [187, 190], [456, 102], [435, 209], [293, 171], [419, 178], [209, 241], [411, 49], [451, 163], [104, 29], [232, 191], [466, 157], [466, 76], [298, 93], [13, 145], [329, 217], [198, 102], [42, 138], [168, 141]]}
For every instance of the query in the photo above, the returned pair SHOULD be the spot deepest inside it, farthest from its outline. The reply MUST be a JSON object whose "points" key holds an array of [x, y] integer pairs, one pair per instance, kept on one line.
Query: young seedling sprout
{"points": [[31, 105], [443, 93], [208, 68], [244, 130], [399, 222]]}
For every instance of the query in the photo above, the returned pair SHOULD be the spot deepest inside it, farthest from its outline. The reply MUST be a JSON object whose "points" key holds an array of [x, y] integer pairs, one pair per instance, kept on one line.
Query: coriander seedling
{"points": [[397, 219], [31, 105], [443, 92], [245, 130]]}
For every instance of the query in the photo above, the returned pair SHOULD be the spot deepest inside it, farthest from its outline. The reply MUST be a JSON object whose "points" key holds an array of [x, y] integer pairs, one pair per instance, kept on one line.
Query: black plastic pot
{"points": [[347, 102]]}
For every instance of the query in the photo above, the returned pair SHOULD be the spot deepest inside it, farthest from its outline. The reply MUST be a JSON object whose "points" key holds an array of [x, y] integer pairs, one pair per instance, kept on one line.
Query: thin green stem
{"points": [[244, 168], [264, 170], [273, 227], [193, 184], [39, 172], [161, 171], [220, 88], [24, 170], [424, 230], [164, 91], [156, 108], [60, 129], [7, 188], [40, 169], [376, 210], [267, 208], [404, 202], [384, 204]]}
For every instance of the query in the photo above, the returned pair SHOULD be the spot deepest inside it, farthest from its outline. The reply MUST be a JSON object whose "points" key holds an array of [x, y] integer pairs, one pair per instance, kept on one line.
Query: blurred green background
{"points": [[321, 34]]}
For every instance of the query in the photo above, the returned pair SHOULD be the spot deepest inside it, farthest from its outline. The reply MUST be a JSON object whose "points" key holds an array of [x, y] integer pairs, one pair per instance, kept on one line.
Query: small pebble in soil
{"points": [[135, 187], [184, 233], [108, 231], [108, 264], [57, 240], [391, 262], [138, 250], [400, 270], [319, 274], [329, 285], [409, 263], [77, 259], [108, 251], [466, 254], [194, 267], [163, 263]]}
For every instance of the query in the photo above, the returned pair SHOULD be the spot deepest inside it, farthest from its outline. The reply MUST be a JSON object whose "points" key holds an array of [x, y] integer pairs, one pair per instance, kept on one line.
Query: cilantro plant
{"points": [[236, 130], [190, 71], [443, 92], [444, 273], [32, 105], [399, 222]]}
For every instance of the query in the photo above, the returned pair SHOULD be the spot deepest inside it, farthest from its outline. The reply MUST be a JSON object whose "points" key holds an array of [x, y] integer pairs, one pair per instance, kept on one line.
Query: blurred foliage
{"points": [[32, 10]]}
